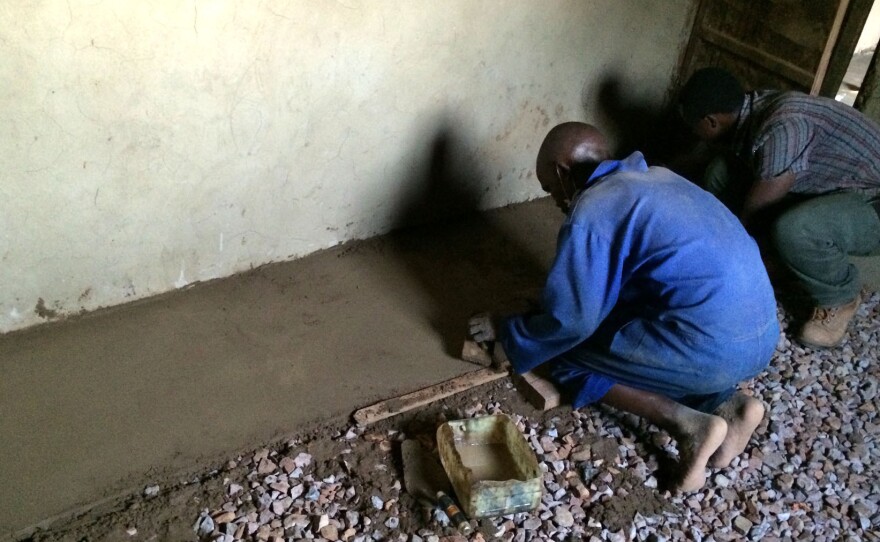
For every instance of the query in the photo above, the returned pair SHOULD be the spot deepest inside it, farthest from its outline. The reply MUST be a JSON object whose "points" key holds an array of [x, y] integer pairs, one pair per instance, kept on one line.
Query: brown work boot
{"points": [[827, 326]]}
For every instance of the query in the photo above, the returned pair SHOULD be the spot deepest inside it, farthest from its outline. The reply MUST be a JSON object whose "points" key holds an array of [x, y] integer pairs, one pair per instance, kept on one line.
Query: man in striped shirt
{"points": [[812, 165]]}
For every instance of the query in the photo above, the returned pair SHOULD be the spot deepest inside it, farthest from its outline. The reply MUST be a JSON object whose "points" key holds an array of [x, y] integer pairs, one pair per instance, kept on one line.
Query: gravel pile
{"points": [[811, 472]]}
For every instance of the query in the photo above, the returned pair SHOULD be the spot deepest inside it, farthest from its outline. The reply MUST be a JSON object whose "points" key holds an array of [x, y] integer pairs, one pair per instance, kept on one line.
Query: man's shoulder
{"points": [[781, 106], [792, 106], [781, 112], [794, 113], [636, 180], [628, 181], [624, 189]]}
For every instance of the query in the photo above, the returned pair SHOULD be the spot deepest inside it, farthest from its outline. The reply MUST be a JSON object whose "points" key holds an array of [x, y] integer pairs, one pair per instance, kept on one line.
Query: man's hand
{"points": [[482, 327], [500, 361], [764, 193]]}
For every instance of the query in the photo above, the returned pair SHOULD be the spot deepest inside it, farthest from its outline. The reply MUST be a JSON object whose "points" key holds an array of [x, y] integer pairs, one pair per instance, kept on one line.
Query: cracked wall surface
{"points": [[150, 145]]}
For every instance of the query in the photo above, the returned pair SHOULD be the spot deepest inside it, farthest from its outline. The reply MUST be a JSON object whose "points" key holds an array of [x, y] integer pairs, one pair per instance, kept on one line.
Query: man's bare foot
{"points": [[742, 414], [698, 435]]}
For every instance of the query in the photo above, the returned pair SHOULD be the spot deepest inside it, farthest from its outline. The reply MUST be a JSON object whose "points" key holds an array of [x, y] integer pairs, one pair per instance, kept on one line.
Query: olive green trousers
{"points": [[814, 236]]}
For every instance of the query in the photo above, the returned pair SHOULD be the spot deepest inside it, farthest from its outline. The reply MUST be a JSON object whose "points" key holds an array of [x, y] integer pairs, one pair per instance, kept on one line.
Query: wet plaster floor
{"points": [[102, 405], [160, 393]]}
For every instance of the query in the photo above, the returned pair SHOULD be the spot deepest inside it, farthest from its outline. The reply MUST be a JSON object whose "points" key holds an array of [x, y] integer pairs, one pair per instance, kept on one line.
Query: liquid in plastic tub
{"points": [[492, 468]]}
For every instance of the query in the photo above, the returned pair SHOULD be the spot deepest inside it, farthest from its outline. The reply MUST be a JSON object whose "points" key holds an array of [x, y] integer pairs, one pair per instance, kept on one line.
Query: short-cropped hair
{"points": [[710, 90]]}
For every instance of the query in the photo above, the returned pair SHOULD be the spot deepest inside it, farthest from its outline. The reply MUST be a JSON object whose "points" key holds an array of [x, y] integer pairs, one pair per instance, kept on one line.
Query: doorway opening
{"points": [[858, 65]]}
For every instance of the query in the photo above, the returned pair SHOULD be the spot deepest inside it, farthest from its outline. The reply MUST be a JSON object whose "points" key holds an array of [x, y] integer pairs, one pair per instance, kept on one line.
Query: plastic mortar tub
{"points": [[492, 468]]}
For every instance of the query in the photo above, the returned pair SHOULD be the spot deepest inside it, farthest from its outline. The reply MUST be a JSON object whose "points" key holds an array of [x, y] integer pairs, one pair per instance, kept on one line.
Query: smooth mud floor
{"points": [[105, 404]]}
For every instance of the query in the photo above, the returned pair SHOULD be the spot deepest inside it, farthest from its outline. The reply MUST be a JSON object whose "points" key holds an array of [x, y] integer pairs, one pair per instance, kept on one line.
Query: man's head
{"points": [[569, 153], [710, 102]]}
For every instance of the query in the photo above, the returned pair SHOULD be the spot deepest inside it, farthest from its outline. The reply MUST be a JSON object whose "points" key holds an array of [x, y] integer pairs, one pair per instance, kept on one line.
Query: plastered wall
{"points": [[148, 145]]}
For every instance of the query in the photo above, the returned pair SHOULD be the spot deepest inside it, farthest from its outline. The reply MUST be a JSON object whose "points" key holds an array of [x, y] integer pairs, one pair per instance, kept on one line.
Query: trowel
{"points": [[426, 481]]}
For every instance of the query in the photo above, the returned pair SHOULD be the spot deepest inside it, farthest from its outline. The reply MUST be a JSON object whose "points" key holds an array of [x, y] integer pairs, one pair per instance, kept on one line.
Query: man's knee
{"points": [[795, 231]]}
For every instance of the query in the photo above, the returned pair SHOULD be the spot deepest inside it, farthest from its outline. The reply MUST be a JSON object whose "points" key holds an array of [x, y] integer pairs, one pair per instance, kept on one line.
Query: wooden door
{"points": [[781, 44]]}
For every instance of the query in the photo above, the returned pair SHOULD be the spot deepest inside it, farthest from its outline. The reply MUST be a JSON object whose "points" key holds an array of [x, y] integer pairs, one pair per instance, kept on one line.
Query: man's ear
{"points": [[713, 121], [563, 172]]}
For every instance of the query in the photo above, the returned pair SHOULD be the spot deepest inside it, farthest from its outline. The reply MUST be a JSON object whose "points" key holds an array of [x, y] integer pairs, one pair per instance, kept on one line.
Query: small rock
{"points": [[312, 494], [864, 508], [563, 517], [774, 461], [581, 453], [302, 460], [785, 481], [279, 507], [287, 464], [225, 517], [588, 472], [660, 439], [266, 516], [280, 487], [266, 467], [742, 525], [300, 520], [206, 525], [532, 524], [151, 491]]}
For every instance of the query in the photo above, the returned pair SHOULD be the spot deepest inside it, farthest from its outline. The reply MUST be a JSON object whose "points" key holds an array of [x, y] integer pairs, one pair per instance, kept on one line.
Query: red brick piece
{"points": [[538, 390], [472, 352]]}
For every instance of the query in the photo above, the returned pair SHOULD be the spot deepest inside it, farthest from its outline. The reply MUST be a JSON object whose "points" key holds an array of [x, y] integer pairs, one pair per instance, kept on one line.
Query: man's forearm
{"points": [[765, 193]]}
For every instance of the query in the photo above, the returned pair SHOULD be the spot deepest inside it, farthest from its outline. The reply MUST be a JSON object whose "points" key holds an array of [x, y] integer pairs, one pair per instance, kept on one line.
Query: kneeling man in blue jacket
{"points": [[657, 303]]}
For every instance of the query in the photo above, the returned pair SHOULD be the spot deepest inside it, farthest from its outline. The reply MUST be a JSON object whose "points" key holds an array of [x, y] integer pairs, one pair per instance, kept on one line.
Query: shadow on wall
{"points": [[639, 124], [480, 265]]}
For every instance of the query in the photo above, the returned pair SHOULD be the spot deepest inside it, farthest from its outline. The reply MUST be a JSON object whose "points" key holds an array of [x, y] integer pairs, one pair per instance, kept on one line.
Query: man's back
{"points": [[681, 258], [828, 145]]}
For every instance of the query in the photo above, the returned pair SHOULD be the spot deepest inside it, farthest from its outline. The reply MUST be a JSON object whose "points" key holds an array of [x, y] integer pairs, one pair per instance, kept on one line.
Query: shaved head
{"points": [[568, 150], [573, 142]]}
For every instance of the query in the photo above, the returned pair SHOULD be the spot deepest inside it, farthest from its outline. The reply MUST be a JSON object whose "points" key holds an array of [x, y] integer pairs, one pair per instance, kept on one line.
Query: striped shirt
{"points": [[829, 146]]}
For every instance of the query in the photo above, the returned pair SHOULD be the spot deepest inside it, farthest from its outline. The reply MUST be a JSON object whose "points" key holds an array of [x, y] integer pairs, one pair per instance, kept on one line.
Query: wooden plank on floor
{"points": [[391, 407]]}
